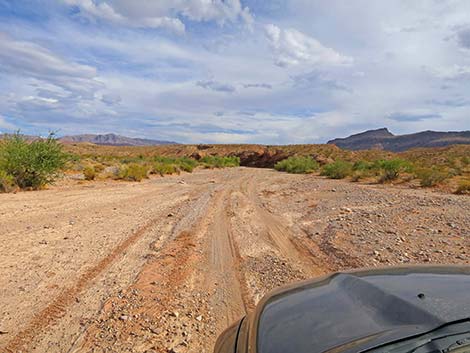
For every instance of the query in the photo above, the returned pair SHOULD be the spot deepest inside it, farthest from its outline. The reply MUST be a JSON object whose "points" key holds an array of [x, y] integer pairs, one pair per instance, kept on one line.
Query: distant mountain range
{"points": [[113, 140], [385, 140]]}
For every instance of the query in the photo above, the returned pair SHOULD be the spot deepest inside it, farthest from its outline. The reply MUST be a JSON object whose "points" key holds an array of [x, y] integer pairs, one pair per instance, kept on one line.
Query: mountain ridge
{"points": [[383, 139], [111, 139]]}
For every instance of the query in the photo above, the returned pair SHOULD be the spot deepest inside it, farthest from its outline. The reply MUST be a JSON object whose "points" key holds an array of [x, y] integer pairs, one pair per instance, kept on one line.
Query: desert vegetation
{"points": [[30, 165], [445, 168], [297, 165], [137, 168]]}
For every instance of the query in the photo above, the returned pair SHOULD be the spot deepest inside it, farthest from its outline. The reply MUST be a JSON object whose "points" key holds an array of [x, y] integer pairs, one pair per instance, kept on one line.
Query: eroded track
{"points": [[168, 263]]}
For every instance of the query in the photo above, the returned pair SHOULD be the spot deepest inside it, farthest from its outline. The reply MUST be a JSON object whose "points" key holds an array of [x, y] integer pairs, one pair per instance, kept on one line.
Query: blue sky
{"points": [[255, 71]]}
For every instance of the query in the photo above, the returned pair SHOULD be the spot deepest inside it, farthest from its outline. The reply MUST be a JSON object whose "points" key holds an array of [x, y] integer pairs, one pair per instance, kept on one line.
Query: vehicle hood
{"points": [[354, 312]]}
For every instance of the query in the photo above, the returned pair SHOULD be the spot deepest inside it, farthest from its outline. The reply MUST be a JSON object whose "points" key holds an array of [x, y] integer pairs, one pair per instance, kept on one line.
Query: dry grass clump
{"points": [[463, 188]]}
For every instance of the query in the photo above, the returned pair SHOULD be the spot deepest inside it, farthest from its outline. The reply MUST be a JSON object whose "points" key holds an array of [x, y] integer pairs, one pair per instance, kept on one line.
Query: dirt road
{"points": [[166, 264]]}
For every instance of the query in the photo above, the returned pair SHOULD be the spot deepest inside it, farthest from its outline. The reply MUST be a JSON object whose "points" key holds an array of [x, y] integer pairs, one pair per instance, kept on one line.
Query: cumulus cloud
{"points": [[216, 86], [292, 48], [164, 13], [105, 11]]}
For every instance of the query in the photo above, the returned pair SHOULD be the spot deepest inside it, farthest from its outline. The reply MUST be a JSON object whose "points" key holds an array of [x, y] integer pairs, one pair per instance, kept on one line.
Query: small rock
{"points": [[123, 317], [199, 318]]}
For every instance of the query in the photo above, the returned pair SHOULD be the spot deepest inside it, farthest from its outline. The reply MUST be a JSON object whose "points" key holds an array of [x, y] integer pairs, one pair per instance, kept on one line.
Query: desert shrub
{"points": [[362, 165], [98, 168], [392, 168], [129, 160], [220, 162], [133, 172], [187, 164], [430, 176], [163, 168], [337, 170], [32, 164], [7, 182], [166, 165], [362, 169], [297, 165], [89, 173], [463, 188], [357, 175]]}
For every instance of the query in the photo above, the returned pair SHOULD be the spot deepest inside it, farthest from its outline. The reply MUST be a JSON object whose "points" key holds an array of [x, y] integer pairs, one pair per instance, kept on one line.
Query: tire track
{"points": [[57, 308]]}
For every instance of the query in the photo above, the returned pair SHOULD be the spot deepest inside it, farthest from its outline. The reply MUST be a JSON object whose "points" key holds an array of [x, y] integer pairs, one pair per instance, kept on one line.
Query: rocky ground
{"points": [[165, 265]]}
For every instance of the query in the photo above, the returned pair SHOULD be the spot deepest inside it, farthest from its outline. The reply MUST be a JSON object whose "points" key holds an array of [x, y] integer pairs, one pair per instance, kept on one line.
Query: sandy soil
{"points": [[165, 265]]}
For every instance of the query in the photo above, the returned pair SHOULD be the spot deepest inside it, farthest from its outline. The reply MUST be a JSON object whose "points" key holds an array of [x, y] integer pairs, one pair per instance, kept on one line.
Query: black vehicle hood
{"points": [[353, 312]]}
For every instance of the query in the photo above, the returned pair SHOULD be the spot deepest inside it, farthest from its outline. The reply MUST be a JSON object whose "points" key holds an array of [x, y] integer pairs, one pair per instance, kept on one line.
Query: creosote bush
{"points": [[297, 165], [163, 168], [32, 165], [337, 170], [430, 176], [392, 168], [133, 172]]}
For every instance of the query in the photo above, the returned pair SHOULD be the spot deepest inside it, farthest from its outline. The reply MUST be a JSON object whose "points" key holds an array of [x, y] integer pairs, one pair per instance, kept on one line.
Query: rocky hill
{"points": [[113, 140], [384, 140]]}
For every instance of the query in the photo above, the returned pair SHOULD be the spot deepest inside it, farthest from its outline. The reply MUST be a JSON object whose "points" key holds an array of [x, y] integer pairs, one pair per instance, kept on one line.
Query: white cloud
{"points": [[292, 48], [105, 11], [454, 72], [30, 60], [164, 13]]}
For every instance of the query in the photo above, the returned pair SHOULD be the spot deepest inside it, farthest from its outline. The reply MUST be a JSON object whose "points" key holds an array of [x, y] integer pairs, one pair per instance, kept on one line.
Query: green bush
{"points": [[7, 182], [430, 176], [31, 164], [463, 188], [220, 162], [297, 165], [362, 165], [163, 168], [392, 168], [133, 172], [337, 170], [165, 165], [187, 164], [89, 173]]}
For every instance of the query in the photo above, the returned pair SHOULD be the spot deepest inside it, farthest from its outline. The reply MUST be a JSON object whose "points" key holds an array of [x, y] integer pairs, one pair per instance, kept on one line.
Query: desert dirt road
{"points": [[166, 264]]}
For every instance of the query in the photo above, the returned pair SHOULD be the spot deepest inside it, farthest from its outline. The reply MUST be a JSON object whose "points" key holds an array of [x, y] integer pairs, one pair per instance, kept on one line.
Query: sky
{"points": [[234, 71]]}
